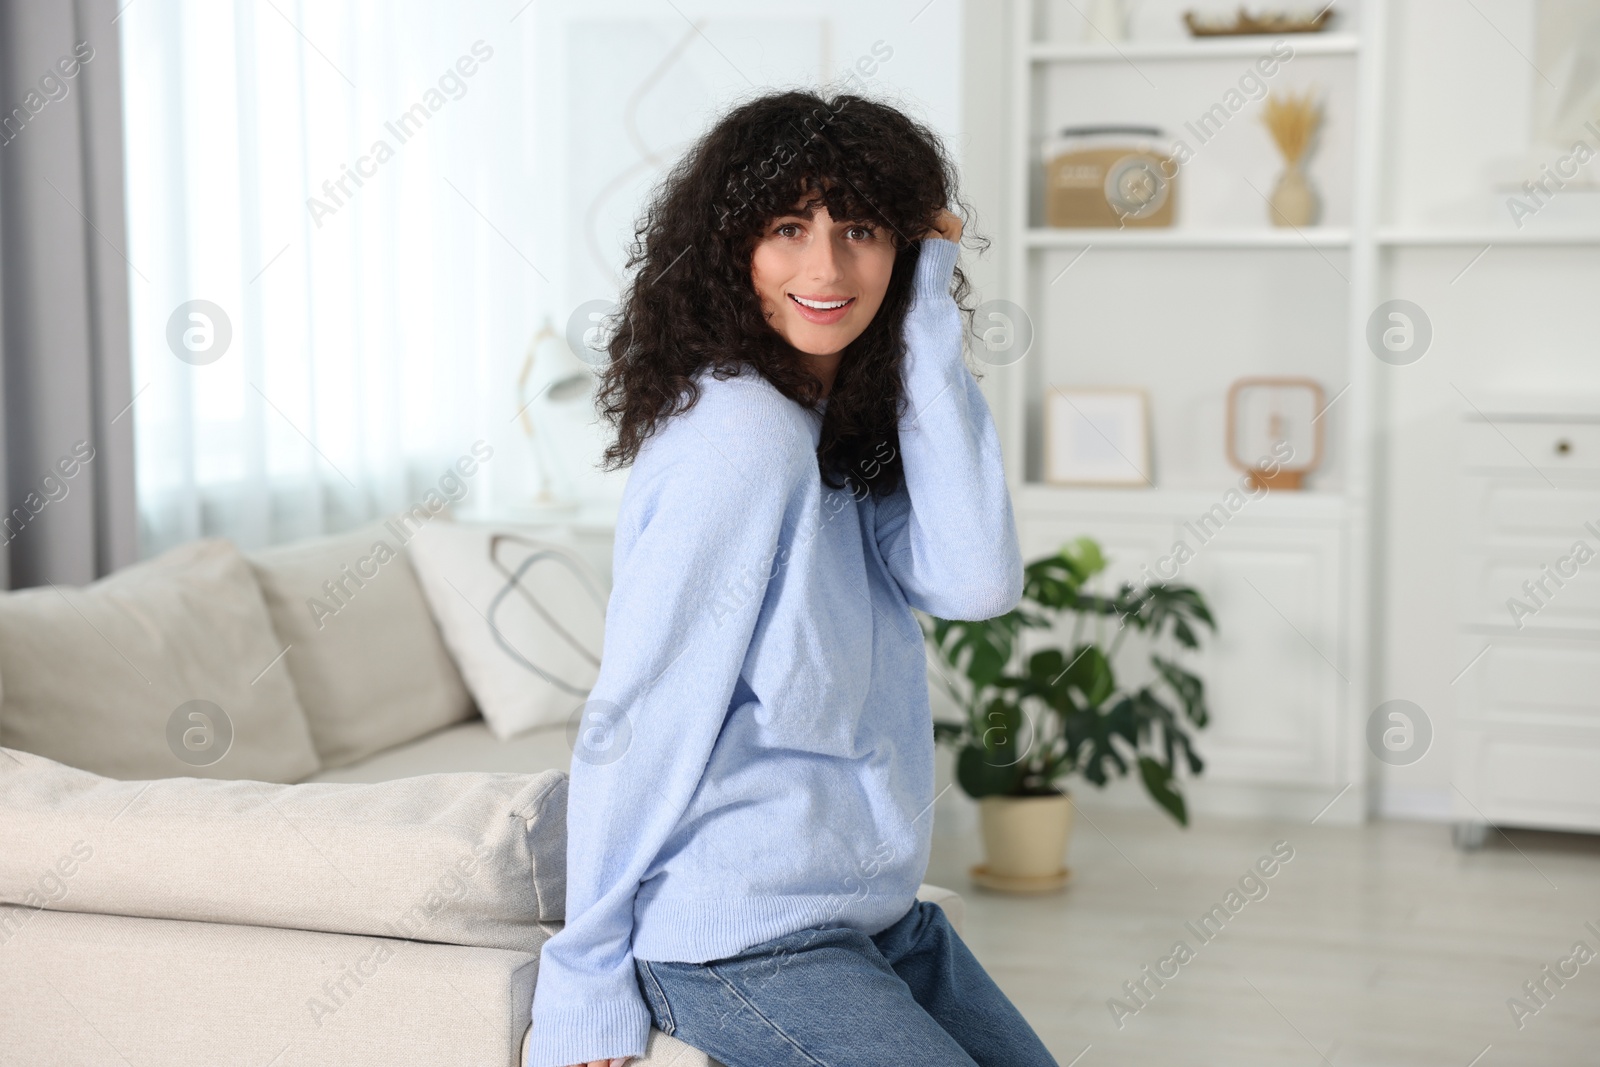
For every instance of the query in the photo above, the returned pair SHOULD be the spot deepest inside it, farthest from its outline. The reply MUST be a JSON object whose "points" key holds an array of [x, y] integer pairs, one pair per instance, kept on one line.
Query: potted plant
{"points": [[1034, 717]]}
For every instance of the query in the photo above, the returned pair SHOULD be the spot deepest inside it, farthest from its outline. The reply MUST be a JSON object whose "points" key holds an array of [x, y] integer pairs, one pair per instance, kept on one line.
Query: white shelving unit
{"points": [[1288, 671]]}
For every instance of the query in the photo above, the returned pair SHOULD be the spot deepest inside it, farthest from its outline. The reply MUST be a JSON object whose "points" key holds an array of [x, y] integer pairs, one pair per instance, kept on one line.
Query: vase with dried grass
{"points": [[1293, 120]]}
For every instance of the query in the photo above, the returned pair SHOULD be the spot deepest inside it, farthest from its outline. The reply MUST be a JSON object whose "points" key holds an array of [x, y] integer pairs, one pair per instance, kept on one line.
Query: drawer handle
{"points": [[1563, 447]]}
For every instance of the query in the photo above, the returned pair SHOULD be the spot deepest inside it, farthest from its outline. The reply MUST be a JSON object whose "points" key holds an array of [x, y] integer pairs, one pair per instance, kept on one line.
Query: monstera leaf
{"points": [[1190, 689], [992, 765], [1052, 582], [980, 650], [1177, 606], [1158, 783]]}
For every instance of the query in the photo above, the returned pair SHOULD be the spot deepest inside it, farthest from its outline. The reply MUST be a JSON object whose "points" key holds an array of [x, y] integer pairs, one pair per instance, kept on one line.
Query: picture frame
{"points": [[1097, 436], [1267, 413]]}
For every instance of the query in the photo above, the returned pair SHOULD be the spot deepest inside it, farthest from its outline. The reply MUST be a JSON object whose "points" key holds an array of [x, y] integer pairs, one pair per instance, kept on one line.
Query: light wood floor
{"points": [[1375, 946]]}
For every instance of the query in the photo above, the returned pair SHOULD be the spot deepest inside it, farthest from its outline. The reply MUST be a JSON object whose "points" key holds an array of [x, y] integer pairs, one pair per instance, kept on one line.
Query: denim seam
{"points": [[666, 1006], [775, 1027]]}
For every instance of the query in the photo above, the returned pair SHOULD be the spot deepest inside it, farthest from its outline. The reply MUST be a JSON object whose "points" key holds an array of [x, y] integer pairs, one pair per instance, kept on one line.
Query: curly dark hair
{"points": [[692, 302]]}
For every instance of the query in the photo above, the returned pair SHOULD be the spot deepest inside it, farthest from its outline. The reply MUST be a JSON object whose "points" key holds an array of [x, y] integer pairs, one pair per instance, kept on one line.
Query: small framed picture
{"points": [[1096, 436], [1275, 430]]}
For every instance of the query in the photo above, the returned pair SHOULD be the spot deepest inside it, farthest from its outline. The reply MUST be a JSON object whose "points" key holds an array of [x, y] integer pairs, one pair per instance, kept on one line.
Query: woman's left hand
{"points": [[947, 225]]}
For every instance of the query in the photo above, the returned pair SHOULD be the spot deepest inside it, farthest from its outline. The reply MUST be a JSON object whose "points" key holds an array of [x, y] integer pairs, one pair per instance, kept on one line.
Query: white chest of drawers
{"points": [[1528, 708]]}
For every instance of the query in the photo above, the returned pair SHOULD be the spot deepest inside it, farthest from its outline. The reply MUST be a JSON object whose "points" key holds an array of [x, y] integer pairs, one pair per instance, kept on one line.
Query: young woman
{"points": [[751, 790]]}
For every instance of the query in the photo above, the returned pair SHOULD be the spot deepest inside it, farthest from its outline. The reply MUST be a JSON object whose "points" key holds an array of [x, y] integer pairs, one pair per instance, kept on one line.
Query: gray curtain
{"points": [[66, 428]]}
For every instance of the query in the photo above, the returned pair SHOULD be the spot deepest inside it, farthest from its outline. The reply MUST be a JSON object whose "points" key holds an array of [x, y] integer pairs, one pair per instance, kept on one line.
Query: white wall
{"points": [[618, 89]]}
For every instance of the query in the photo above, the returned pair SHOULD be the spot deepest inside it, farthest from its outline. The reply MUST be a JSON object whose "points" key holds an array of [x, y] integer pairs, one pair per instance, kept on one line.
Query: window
{"points": [[381, 204]]}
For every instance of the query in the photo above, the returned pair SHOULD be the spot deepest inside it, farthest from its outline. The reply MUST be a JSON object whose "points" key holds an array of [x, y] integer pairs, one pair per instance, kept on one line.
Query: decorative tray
{"points": [[1266, 22]]}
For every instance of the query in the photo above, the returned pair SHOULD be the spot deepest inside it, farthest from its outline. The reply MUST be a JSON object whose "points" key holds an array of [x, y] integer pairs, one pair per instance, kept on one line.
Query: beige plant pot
{"points": [[1025, 837]]}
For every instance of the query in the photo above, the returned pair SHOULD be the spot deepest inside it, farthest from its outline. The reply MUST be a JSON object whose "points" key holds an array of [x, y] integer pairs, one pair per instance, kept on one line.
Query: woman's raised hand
{"points": [[947, 225]]}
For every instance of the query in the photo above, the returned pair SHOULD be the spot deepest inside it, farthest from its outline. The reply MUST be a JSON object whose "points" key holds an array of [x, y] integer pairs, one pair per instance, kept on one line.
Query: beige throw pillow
{"points": [[167, 667], [367, 659]]}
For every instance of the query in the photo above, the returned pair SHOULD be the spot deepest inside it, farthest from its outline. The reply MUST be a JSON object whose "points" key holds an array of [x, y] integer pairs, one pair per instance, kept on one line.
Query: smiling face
{"points": [[821, 281]]}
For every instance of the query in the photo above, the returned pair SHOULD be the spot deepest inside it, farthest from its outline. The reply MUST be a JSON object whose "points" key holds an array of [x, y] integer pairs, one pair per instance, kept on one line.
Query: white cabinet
{"points": [[1528, 709], [1276, 670], [1274, 695]]}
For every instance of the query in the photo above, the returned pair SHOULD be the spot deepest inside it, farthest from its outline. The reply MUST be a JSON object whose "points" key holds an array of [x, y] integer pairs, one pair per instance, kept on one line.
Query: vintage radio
{"points": [[1109, 176]]}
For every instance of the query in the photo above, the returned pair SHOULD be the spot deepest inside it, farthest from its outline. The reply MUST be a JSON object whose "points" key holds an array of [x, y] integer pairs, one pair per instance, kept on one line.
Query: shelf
{"points": [[1485, 236], [1247, 47], [1036, 499], [1178, 237]]}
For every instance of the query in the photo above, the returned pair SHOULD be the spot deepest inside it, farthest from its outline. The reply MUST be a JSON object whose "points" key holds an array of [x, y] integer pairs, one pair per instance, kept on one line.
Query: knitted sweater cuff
{"points": [[595, 1031], [935, 266]]}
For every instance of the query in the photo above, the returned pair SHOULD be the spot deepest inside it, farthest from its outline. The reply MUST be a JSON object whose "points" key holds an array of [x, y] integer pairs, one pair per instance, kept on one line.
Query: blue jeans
{"points": [[912, 995]]}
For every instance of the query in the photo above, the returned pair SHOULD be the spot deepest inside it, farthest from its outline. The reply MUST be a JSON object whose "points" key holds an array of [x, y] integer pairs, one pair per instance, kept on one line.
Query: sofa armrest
{"points": [[955, 908], [474, 858], [84, 988]]}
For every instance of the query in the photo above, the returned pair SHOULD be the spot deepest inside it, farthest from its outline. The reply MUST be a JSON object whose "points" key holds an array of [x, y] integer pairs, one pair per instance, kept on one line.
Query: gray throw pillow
{"points": [[168, 667], [367, 659]]}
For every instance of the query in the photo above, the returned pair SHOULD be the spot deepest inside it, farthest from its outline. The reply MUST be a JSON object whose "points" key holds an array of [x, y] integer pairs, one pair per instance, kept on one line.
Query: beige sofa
{"points": [[367, 875]]}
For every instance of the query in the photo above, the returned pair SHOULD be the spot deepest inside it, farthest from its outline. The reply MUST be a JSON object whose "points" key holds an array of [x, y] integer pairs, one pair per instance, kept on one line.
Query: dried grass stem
{"points": [[1292, 119]]}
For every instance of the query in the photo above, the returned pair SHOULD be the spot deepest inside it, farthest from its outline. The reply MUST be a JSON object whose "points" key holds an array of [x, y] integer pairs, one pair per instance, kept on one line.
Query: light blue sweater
{"points": [[758, 747]]}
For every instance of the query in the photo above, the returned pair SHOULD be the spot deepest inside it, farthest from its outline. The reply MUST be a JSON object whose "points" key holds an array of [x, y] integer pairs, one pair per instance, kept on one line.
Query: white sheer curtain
{"points": [[372, 317]]}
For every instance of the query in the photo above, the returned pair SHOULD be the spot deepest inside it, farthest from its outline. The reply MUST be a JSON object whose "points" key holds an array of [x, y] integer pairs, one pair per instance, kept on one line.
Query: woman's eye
{"points": [[782, 229], [867, 232]]}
